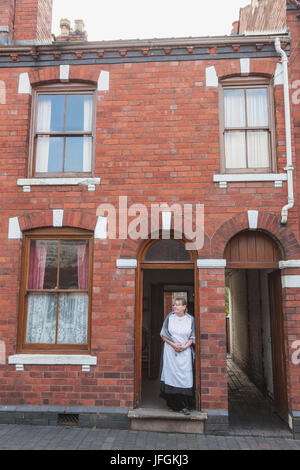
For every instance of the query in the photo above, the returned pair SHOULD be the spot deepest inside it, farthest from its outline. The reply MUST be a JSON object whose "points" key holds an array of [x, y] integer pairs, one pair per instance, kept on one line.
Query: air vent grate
{"points": [[67, 419]]}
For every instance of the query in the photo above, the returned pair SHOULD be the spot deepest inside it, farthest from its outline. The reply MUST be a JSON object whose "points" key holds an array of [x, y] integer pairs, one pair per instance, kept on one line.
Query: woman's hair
{"points": [[181, 299]]}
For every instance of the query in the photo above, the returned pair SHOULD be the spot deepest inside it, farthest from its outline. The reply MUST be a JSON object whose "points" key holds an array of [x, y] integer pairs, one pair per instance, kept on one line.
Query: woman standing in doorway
{"points": [[177, 381]]}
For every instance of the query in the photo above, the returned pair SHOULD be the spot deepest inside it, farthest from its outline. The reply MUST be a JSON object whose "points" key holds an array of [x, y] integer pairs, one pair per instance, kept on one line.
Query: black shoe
{"points": [[185, 411]]}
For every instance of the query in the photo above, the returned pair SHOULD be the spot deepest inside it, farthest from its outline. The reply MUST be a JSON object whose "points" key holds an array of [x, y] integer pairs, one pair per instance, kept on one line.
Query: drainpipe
{"points": [[288, 137]]}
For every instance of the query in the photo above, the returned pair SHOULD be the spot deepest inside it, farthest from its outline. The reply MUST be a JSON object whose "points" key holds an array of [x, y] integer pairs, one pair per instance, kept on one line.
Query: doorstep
{"points": [[154, 419]]}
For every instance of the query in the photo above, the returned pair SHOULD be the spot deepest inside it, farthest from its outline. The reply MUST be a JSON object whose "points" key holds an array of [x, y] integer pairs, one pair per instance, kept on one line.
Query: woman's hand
{"points": [[178, 347]]}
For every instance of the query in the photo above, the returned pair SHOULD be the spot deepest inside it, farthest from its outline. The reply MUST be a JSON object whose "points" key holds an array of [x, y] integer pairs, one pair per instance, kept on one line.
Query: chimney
{"points": [[69, 34], [6, 20], [235, 28], [25, 21]]}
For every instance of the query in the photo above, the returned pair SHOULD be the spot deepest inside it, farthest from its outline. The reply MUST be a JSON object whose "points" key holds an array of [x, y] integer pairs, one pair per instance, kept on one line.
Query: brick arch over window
{"points": [[52, 75], [76, 219], [267, 222], [131, 248], [265, 67]]}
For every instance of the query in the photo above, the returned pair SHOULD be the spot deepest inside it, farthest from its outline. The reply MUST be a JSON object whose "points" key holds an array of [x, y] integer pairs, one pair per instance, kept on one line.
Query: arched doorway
{"points": [[256, 332], [165, 269]]}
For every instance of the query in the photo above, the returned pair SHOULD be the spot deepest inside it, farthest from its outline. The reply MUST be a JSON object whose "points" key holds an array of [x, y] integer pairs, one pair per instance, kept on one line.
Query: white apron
{"points": [[177, 366]]}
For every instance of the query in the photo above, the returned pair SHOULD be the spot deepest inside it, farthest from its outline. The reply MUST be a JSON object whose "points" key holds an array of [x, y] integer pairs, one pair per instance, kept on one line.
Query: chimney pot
{"points": [[65, 26], [79, 26]]}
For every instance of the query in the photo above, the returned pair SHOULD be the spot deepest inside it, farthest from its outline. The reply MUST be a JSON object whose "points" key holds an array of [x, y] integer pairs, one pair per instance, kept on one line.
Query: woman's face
{"points": [[179, 308]]}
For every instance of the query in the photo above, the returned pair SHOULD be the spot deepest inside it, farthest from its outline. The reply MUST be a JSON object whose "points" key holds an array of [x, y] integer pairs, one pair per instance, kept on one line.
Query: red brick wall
{"points": [[213, 339], [33, 20], [292, 296], [157, 141]]}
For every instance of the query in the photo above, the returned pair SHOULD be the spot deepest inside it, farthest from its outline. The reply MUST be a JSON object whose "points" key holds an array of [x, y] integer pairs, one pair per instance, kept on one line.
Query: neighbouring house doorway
{"points": [[257, 386], [165, 271]]}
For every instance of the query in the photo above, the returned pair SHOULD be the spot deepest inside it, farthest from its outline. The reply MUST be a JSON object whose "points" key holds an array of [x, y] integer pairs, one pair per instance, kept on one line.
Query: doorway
{"points": [[165, 270], [257, 390], [160, 288]]}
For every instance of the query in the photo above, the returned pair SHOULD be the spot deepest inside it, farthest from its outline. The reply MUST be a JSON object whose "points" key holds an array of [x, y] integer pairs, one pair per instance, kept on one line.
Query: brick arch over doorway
{"points": [[131, 248], [268, 223]]}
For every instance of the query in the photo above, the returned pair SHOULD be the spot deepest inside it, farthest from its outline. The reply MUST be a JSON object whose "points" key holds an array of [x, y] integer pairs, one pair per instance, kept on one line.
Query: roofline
{"points": [[150, 43]]}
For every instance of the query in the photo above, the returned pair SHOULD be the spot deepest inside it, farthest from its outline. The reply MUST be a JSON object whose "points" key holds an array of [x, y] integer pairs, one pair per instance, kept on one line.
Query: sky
{"points": [[147, 19]]}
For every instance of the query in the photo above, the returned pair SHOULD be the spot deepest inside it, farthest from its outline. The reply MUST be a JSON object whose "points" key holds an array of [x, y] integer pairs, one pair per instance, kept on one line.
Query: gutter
{"points": [[288, 137]]}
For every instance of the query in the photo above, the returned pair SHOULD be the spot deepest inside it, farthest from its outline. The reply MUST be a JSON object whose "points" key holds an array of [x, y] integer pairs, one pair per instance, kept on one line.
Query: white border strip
{"points": [[211, 263], [53, 359], [250, 177], [126, 263], [290, 282], [291, 263]]}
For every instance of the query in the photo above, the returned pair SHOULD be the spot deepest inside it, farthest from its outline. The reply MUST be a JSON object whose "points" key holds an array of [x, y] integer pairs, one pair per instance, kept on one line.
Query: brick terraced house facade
{"points": [[142, 122]]}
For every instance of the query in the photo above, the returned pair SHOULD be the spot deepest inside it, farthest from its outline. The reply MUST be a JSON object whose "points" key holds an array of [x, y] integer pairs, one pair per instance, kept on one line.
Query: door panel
{"points": [[157, 318], [278, 352]]}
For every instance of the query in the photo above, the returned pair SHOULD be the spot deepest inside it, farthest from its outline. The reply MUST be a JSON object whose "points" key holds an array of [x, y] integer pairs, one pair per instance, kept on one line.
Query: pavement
{"points": [[24, 437]]}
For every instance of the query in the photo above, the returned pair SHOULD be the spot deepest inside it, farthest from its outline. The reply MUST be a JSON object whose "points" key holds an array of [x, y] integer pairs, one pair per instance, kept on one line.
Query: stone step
{"points": [[153, 419]]}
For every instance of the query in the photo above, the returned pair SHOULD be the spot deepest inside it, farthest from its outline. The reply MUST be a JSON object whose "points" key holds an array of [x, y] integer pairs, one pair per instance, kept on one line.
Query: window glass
{"points": [[79, 113], [167, 250], [51, 113], [74, 259], [234, 102], [258, 149], [235, 149], [43, 264], [257, 107]]}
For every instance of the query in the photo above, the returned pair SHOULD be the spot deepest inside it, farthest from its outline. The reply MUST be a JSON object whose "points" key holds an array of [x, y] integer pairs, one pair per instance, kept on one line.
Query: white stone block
{"points": [[291, 263], [126, 263], [64, 71], [278, 76], [253, 219], [24, 84], [103, 81], [58, 215], [245, 65], [290, 282], [2, 92], [211, 76], [101, 228], [211, 263], [52, 359], [14, 232]]}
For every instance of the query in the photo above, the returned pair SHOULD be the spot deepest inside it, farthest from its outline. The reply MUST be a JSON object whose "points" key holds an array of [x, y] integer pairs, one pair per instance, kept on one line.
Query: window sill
{"points": [[277, 178], [53, 359], [28, 182]]}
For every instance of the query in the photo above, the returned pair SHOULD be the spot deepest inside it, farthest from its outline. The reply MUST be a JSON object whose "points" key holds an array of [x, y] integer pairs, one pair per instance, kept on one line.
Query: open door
{"points": [[278, 352], [157, 318]]}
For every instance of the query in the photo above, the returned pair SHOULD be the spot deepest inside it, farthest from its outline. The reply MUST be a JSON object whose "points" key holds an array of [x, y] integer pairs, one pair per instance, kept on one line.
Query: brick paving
{"points": [[250, 413], [22, 437]]}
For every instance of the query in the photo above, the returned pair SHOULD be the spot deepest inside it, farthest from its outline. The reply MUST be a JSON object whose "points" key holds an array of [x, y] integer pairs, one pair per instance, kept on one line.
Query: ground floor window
{"points": [[55, 290]]}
